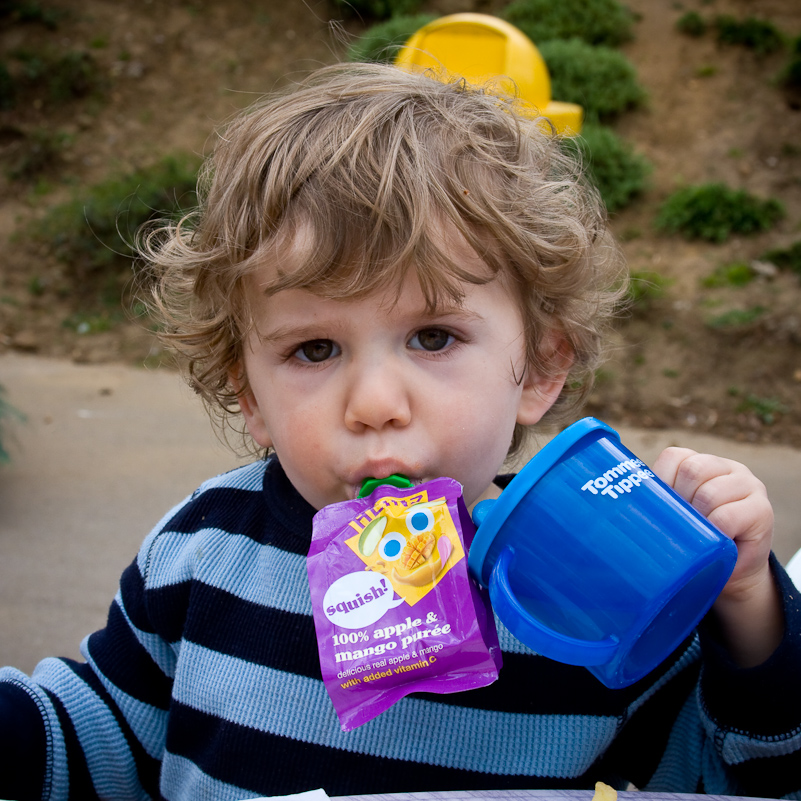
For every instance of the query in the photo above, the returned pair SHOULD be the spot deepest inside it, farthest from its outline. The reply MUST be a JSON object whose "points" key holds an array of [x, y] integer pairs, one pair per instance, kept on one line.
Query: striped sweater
{"points": [[206, 683]]}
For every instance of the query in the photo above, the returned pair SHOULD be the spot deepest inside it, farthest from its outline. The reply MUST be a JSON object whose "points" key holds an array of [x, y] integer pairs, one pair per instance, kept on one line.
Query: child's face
{"points": [[346, 390]]}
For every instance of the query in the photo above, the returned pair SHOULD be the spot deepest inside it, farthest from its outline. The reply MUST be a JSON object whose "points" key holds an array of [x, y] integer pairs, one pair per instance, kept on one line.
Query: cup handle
{"points": [[536, 635]]}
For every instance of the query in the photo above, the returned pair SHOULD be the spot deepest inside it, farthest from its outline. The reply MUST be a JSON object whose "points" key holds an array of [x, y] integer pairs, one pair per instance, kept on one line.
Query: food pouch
{"points": [[395, 609]]}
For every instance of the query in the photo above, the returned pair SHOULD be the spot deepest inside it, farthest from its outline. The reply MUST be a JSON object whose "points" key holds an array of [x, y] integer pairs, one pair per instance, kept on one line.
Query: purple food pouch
{"points": [[395, 609]]}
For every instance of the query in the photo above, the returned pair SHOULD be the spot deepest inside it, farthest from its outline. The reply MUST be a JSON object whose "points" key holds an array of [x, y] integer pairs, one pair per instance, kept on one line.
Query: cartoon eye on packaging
{"points": [[395, 609]]}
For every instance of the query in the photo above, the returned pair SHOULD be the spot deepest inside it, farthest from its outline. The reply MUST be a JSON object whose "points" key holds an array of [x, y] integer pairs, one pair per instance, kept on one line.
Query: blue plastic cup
{"points": [[592, 560]]}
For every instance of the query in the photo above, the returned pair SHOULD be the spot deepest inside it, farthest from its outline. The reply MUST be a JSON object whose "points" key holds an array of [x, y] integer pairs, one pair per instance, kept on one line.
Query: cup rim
{"points": [[532, 472]]}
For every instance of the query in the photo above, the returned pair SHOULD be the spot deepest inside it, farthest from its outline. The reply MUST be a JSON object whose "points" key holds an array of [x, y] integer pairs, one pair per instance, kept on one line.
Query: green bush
{"points": [[28, 11], [7, 90], [761, 36], [382, 42], [643, 289], [95, 230], [599, 22], [377, 9], [59, 77], [618, 172], [601, 80], [736, 274], [39, 151], [713, 212], [786, 258], [790, 76], [692, 24]]}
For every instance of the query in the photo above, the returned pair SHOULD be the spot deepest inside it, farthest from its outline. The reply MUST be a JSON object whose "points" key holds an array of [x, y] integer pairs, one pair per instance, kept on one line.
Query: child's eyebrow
{"points": [[326, 329], [297, 332]]}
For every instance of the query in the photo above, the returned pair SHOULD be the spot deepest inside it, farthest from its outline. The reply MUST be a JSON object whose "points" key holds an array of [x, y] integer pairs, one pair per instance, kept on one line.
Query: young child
{"points": [[388, 273]]}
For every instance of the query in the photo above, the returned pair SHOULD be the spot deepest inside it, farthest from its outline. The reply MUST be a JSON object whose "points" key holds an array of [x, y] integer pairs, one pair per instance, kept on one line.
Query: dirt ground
{"points": [[177, 68]]}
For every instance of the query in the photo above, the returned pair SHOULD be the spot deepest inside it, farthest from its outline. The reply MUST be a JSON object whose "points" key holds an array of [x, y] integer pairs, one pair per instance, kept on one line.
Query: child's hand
{"points": [[733, 499]]}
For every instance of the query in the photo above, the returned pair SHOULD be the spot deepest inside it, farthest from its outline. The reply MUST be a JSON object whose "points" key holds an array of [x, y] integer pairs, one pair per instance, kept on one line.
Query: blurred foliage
{"points": [[56, 78], [786, 258], [645, 287], [613, 166], [713, 212], [381, 42], [692, 24], [93, 232], [601, 80], [790, 76], [736, 274], [597, 22], [759, 35]]}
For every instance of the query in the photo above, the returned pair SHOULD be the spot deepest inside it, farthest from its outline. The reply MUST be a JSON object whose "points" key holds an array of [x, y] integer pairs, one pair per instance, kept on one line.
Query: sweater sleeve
{"points": [[739, 731], [23, 742], [753, 715], [93, 729]]}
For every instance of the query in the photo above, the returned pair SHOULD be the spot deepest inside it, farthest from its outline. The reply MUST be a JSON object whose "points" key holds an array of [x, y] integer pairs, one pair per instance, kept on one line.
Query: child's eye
{"points": [[431, 339], [317, 350]]}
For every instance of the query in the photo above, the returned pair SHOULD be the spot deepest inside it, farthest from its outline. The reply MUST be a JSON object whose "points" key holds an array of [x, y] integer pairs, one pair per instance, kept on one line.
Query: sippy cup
{"points": [[592, 560]]}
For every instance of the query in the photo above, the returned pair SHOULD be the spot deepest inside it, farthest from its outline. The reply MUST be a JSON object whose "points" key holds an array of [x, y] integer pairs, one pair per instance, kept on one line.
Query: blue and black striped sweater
{"points": [[206, 683]]}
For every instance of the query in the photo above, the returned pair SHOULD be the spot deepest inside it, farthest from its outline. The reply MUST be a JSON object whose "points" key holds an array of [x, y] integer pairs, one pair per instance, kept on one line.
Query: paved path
{"points": [[107, 450]]}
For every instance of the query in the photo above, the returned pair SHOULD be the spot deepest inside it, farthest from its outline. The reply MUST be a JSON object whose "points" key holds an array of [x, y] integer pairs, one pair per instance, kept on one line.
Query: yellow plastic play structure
{"points": [[485, 49]]}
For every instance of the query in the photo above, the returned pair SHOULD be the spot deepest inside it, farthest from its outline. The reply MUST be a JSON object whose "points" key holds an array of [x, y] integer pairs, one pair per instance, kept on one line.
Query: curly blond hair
{"points": [[371, 162]]}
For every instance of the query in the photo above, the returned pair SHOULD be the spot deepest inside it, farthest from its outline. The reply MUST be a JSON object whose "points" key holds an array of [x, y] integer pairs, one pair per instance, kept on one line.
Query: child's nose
{"points": [[377, 398]]}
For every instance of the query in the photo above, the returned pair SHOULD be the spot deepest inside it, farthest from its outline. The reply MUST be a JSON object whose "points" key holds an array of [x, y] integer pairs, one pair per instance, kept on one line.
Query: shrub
{"points": [[790, 76], [601, 80], [7, 89], [736, 318], [94, 231], [765, 409], [377, 9], [39, 150], [382, 42], [761, 36], [692, 24], [643, 289], [713, 212], [617, 171], [600, 22], [786, 258], [27, 11], [737, 273], [60, 77]]}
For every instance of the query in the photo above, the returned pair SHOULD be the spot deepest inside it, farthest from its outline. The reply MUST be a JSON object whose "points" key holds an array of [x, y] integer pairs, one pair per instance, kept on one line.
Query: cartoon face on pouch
{"points": [[413, 546]]}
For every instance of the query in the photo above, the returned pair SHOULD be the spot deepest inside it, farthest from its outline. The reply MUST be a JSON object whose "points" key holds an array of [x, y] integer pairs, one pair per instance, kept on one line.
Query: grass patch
{"points": [[692, 24], [37, 152], [93, 233], [57, 78], [597, 22], [713, 212], [602, 80], [382, 42], [759, 35], [765, 409], [786, 258], [736, 318], [736, 274], [29, 11], [644, 288], [790, 76], [613, 166]]}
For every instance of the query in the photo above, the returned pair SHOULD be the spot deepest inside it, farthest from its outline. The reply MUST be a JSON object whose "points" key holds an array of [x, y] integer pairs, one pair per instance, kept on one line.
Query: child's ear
{"points": [[541, 392], [254, 419]]}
